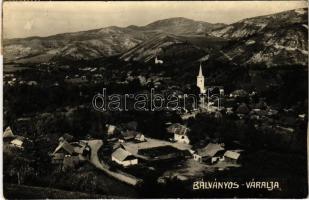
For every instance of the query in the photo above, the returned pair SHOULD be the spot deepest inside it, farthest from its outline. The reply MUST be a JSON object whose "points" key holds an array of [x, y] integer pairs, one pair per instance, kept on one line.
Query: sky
{"points": [[24, 19]]}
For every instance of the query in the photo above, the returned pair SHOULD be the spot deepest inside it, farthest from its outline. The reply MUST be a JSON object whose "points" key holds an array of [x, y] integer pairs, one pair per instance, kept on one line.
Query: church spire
{"points": [[200, 81], [200, 72]]}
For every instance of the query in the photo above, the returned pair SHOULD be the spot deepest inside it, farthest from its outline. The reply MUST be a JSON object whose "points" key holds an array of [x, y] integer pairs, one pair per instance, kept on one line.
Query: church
{"points": [[200, 81]]}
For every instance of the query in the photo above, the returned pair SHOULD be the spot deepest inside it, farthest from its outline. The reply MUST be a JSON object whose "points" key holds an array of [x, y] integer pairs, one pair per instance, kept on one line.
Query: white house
{"points": [[18, 142], [110, 129], [140, 137], [182, 138], [124, 158], [180, 133]]}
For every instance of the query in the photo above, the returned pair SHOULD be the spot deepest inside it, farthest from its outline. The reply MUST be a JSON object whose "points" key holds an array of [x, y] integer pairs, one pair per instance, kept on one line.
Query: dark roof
{"points": [[129, 135], [159, 151], [178, 129], [210, 150]]}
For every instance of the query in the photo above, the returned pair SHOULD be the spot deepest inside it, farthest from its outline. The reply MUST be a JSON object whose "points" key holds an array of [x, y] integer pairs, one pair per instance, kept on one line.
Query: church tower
{"points": [[200, 81]]}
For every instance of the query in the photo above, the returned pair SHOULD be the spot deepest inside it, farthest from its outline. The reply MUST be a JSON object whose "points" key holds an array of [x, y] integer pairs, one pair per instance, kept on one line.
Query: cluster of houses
{"points": [[70, 154], [213, 153], [132, 146], [11, 80]]}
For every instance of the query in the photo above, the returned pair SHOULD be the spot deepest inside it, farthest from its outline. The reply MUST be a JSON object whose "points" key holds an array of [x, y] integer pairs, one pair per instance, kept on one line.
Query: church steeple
{"points": [[200, 81]]}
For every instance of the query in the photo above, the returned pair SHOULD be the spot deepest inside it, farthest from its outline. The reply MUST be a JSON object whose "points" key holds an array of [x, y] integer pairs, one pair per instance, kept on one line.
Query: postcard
{"points": [[155, 99]]}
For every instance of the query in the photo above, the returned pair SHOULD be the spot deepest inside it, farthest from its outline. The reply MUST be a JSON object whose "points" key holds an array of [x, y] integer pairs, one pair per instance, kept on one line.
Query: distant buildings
{"points": [[76, 80]]}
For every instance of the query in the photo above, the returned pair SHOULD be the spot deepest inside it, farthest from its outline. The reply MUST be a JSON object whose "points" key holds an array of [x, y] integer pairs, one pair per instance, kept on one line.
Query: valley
{"points": [[259, 66]]}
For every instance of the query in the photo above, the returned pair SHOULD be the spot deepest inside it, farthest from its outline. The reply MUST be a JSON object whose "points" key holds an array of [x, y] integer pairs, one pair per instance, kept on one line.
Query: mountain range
{"points": [[277, 39]]}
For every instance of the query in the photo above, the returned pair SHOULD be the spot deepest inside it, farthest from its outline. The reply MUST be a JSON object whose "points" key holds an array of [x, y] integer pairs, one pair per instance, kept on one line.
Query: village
{"points": [[126, 147], [129, 155]]}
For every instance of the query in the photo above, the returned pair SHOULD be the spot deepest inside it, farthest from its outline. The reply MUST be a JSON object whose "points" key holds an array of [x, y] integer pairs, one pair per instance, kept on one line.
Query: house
{"points": [[157, 61], [63, 149], [140, 137], [111, 129], [67, 155], [231, 156], [211, 153], [229, 111], [180, 133], [124, 158], [18, 142], [70, 162], [57, 158], [82, 149]]}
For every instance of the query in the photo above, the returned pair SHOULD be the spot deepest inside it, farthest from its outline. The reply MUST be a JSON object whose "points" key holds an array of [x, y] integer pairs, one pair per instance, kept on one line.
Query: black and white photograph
{"points": [[154, 99]]}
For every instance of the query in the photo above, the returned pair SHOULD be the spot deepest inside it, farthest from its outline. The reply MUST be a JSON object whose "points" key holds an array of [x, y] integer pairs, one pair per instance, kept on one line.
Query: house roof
{"points": [[121, 154], [132, 125], [232, 154], [139, 136], [66, 146], [210, 150], [17, 142], [8, 133], [177, 129]]}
